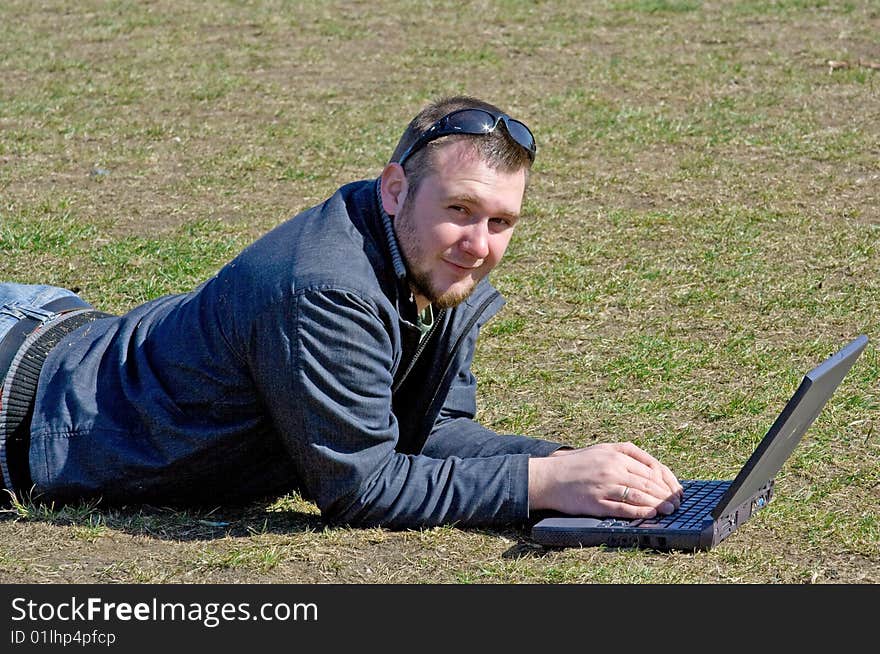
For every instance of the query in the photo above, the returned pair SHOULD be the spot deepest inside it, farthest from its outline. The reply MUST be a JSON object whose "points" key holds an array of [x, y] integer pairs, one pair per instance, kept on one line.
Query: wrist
{"points": [[538, 479]]}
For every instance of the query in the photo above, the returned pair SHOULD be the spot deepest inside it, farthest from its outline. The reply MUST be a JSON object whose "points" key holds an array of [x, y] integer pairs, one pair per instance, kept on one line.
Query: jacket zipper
{"points": [[422, 345], [473, 319]]}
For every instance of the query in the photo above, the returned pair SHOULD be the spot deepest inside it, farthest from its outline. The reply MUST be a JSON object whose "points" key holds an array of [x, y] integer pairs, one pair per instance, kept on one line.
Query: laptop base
{"points": [[674, 532]]}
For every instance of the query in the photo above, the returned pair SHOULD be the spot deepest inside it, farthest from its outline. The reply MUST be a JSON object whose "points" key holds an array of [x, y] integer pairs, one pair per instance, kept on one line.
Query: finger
{"points": [[634, 496], [671, 480], [663, 474], [652, 480], [670, 488], [648, 486], [610, 507], [647, 491], [653, 465]]}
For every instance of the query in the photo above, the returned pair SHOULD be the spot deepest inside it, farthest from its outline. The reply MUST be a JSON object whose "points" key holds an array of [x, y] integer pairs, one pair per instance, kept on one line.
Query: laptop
{"points": [[712, 510]]}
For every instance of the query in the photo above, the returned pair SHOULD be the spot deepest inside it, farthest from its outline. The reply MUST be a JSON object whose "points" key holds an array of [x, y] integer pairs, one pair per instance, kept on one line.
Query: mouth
{"points": [[460, 268]]}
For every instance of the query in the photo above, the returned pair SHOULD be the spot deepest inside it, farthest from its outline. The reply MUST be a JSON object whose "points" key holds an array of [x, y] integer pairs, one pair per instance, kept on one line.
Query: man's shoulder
{"points": [[330, 245], [351, 205]]}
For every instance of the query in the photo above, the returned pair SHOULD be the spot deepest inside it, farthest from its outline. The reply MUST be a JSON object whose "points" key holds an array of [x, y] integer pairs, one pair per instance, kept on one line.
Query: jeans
{"points": [[17, 301], [25, 295]]}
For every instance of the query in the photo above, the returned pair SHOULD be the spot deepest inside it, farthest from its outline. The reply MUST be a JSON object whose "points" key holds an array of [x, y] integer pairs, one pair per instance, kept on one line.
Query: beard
{"points": [[415, 255]]}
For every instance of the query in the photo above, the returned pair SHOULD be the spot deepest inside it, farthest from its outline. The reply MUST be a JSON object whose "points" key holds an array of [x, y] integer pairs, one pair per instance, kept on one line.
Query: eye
{"points": [[502, 223], [458, 208]]}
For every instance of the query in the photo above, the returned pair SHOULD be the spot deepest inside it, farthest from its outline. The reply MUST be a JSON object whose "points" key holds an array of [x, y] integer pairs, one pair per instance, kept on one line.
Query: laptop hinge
{"points": [[730, 521]]}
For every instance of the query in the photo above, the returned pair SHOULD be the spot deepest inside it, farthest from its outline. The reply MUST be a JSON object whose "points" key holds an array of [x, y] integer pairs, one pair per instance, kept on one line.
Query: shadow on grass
{"points": [[286, 515], [526, 549]]}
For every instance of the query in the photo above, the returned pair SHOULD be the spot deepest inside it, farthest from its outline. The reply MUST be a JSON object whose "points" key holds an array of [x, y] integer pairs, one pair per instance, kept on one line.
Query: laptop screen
{"points": [[783, 436]]}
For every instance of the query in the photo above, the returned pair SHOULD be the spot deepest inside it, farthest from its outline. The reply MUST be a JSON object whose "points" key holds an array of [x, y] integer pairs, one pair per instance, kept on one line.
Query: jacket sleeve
{"points": [[325, 368], [456, 432]]}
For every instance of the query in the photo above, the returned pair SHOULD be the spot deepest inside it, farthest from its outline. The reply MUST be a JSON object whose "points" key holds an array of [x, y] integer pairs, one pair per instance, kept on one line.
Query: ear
{"points": [[394, 188]]}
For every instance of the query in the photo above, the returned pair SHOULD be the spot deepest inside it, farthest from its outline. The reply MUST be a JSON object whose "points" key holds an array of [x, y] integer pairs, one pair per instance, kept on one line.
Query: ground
{"points": [[701, 228]]}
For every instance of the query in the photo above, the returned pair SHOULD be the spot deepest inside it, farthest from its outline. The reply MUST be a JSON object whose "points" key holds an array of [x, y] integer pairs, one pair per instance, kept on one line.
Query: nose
{"points": [[475, 241]]}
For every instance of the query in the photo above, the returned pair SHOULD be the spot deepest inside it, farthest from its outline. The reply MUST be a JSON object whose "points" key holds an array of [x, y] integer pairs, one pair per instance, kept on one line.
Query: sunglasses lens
{"points": [[477, 121], [472, 121], [522, 135]]}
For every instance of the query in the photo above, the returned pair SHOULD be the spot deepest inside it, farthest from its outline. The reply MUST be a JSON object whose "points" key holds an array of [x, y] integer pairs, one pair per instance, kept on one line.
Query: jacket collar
{"points": [[388, 229], [406, 302]]}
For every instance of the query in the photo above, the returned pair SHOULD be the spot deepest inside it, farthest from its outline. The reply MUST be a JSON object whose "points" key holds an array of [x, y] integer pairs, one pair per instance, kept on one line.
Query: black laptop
{"points": [[711, 510]]}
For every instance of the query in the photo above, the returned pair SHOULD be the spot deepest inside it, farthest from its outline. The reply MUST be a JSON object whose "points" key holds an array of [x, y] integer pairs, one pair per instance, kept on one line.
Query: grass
{"points": [[702, 228]]}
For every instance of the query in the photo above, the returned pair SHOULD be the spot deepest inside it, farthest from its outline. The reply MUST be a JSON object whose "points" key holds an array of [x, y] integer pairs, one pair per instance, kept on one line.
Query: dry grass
{"points": [[702, 228]]}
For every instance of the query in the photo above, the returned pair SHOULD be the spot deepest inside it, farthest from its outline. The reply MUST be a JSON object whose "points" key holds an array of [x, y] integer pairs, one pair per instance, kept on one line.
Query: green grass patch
{"points": [[701, 229]]}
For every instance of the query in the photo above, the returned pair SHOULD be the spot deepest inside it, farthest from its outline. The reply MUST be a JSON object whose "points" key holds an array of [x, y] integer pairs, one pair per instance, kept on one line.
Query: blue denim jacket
{"points": [[286, 371]]}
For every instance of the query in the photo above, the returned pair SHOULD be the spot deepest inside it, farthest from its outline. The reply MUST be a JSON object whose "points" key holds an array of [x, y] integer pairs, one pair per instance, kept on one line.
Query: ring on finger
{"points": [[625, 493]]}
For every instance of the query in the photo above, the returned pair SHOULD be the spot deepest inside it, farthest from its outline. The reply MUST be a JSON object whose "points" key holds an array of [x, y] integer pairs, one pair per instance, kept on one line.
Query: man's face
{"points": [[457, 226]]}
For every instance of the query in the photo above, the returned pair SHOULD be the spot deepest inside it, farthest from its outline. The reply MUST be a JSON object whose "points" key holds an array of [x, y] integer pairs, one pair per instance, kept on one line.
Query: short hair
{"points": [[496, 148]]}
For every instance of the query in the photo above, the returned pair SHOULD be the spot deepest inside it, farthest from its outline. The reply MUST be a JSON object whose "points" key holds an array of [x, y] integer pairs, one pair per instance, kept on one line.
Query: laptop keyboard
{"points": [[699, 498]]}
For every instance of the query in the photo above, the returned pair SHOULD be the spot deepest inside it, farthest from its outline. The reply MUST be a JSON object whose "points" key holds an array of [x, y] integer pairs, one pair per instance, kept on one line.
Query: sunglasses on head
{"points": [[474, 121]]}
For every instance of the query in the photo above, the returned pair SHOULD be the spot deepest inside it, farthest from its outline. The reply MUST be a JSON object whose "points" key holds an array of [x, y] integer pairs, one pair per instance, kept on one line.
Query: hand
{"points": [[611, 479]]}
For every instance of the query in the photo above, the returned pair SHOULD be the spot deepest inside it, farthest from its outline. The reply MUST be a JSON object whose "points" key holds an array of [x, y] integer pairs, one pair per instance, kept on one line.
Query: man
{"points": [[332, 356]]}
